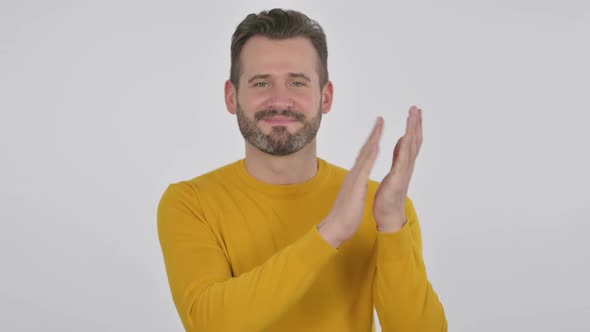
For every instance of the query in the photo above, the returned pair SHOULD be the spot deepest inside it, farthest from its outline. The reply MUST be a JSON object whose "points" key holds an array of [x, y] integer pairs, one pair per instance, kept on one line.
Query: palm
{"points": [[390, 198]]}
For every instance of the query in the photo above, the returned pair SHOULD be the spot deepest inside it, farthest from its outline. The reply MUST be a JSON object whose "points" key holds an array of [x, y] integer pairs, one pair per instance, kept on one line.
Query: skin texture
{"points": [[280, 93], [390, 199], [279, 142], [280, 78]]}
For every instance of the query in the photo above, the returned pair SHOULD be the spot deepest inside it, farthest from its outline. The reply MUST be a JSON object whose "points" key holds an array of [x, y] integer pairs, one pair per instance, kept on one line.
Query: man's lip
{"points": [[279, 119]]}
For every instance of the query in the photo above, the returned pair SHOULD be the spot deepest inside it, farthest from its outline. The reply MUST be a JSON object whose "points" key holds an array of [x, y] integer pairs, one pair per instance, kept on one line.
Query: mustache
{"points": [[286, 113]]}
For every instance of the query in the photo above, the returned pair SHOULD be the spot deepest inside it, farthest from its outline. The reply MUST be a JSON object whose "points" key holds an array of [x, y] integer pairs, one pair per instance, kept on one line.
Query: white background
{"points": [[105, 103]]}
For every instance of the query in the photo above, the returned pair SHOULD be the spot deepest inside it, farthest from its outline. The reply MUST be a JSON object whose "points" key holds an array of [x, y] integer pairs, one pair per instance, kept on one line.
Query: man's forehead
{"points": [[279, 58], [262, 50]]}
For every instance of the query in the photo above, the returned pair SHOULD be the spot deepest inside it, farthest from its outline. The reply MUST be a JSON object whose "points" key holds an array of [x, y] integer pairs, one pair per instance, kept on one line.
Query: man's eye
{"points": [[299, 83], [259, 83]]}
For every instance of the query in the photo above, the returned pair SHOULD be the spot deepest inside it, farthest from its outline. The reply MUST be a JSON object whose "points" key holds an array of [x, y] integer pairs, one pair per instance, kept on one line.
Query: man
{"points": [[283, 240]]}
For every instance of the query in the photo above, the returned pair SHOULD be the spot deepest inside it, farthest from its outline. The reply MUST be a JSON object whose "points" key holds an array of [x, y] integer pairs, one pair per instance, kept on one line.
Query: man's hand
{"points": [[345, 217], [389, 207]]}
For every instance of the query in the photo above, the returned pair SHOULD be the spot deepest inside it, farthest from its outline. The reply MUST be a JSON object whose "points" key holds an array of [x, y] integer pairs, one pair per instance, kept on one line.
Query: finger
{"points": [[376, 132], [370, 148], [367, 145], [411, 128], [410, 123], [410, 136], [404, 154], [416, 142], [373, 151], [402, 160], [372, 145], [414, 133], [396, 153], [419, 129], [417, 135]]}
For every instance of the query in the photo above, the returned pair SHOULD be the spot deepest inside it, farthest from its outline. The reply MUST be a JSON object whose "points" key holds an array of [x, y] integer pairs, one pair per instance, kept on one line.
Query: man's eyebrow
{"points": [[257, 76], [301, 75], [293, 75]]}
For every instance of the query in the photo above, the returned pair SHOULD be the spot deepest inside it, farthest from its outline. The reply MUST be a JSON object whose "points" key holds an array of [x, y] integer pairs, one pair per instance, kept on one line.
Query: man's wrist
{"points": [[330, 233], [391, 227]]}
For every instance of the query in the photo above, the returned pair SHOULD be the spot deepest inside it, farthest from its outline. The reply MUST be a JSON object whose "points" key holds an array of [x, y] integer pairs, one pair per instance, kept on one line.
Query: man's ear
{"points": [[327, 97], [231, 97]]}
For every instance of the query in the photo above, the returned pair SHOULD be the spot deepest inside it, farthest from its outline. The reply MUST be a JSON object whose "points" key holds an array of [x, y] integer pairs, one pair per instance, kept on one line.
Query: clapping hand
{"points": [[390, 198]]}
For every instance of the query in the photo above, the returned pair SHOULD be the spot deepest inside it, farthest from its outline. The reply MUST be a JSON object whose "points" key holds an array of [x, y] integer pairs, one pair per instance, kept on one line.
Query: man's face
{"points": [[279, 104]]}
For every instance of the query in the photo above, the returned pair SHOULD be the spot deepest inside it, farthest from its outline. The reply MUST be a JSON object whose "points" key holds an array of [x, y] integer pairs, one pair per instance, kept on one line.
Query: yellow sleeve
{"points": [[206, 295], [402, 294]]}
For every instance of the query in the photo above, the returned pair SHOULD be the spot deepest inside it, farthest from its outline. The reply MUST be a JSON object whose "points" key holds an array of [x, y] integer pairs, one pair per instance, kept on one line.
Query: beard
{"points": [[279, 142]]}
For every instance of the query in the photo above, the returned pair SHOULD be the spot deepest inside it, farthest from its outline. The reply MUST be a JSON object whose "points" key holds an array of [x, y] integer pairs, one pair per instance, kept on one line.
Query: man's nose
{"points": [[280, 98]]}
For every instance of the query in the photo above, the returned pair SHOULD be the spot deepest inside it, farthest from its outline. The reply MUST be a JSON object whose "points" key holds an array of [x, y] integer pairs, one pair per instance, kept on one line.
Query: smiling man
{"points": [[275, 138], [283, 240]]}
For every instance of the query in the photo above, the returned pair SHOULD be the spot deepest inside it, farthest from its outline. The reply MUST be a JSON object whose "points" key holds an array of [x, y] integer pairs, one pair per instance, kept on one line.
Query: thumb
{"points": [[396, 151]]}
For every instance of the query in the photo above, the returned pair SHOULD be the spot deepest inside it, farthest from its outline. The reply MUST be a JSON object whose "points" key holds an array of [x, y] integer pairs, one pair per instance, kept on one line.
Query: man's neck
{"points": [[295, 168]]}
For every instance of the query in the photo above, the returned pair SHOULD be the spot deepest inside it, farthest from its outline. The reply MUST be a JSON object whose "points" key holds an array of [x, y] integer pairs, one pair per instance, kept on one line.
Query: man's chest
{"points": [[254, 231]]}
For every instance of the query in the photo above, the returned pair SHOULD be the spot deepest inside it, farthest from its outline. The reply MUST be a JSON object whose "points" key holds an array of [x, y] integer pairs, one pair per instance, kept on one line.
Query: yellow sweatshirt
{"points": [[244, 255]]}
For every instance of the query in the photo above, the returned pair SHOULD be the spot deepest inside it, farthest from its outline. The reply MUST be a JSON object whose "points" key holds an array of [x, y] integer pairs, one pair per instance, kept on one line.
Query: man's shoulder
{"points": [[220, 174], [211, 179]]}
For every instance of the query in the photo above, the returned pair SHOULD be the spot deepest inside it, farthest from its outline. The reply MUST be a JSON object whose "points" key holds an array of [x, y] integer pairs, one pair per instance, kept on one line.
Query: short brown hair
{"points": [[279, 24]]}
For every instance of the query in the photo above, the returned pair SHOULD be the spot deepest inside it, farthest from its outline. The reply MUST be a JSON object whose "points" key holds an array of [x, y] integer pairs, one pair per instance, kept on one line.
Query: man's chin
{"points": [[277, 148], [280, 152], [279, 134]]}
